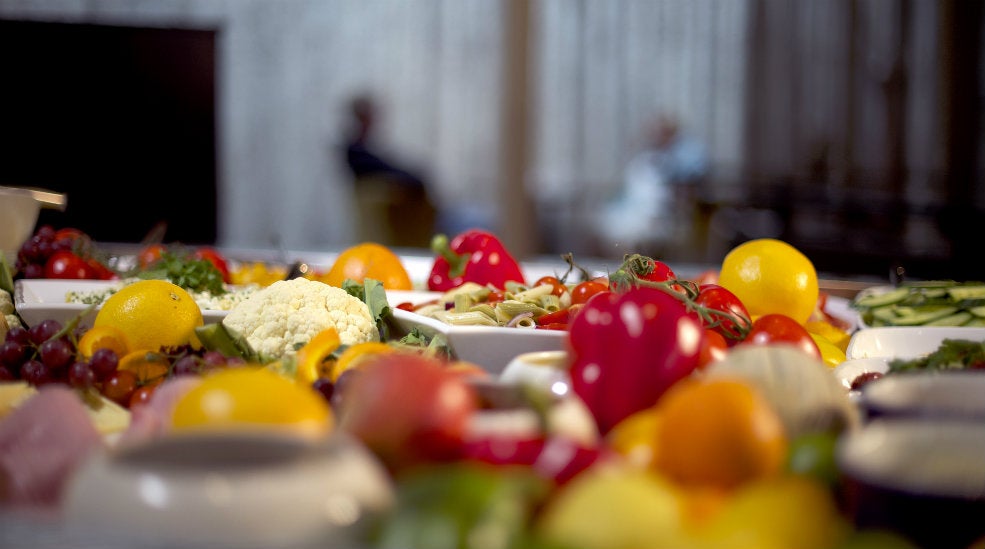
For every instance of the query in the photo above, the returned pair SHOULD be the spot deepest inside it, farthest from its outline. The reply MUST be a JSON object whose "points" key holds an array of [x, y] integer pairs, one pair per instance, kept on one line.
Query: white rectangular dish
{"points": [[41, 299], [906, 341], [492, 347]]}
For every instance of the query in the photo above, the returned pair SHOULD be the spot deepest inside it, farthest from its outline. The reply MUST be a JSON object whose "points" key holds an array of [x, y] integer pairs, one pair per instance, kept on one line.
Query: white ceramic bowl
{"points": [[237, 490]]}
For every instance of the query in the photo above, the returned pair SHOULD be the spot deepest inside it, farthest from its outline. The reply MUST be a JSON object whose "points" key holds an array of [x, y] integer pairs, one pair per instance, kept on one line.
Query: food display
{"points": [[333, 406]]}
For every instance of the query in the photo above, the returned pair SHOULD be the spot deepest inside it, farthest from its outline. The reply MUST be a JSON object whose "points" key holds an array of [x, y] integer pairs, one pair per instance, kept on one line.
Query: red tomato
{"points": [[65, 264], [150, 254], [659, 272], [714, 347], [584, 290], [213, 256], [119, 387], [558, 287], [562, 316], [100, 271], [68, 233], [777, 328], [141, 395], [717, 298], [495, 296]]}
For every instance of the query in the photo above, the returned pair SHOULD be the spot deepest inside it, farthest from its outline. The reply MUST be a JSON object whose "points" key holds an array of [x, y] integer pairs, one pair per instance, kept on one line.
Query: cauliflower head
{"points": [[278, 319]]}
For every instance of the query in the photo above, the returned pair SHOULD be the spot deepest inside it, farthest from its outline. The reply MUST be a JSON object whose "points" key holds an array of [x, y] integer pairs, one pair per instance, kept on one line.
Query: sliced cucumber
{"points": [[959, 318], [978, 311], [881, 299], [959, 293], [914, 317]]}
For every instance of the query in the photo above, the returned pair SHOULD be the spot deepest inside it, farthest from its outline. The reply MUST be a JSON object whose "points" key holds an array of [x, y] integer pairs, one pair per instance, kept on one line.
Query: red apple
{"points": [[408, 409]]}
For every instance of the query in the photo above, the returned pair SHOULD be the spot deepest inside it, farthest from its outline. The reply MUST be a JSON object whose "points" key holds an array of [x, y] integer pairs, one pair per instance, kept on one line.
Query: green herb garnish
{"points": [[953, 354], [198, 275]]}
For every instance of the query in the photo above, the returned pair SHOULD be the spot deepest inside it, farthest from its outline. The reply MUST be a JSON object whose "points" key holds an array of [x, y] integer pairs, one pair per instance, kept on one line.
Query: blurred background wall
{"points": [[850, 128]]}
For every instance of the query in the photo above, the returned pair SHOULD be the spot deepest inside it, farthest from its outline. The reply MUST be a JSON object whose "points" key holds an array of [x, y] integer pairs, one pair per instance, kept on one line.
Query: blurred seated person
{"points": [[654, 210], [394, 206]]}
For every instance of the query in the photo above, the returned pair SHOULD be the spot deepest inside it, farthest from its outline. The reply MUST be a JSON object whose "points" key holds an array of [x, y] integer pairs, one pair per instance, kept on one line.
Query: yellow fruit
{"points": [[251, 397], [311, 358], [356, 354], [152, 314], [771, 276], [782, 513], [831, 355], [635, 438], [605, 508], [369, 260], [103, 337], [832, 333], [149, 366]]}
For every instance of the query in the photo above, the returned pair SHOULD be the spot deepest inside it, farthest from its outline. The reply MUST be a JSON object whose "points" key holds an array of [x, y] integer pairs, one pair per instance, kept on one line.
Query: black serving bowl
{"points": [[921, 477]]}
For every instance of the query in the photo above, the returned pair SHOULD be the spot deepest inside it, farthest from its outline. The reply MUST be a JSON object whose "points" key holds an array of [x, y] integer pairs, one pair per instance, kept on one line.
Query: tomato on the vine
{"points": [[779, 328], [65, 264], [714, 347], [659, 271], [734, 325], [585, 290], [558, 287]]}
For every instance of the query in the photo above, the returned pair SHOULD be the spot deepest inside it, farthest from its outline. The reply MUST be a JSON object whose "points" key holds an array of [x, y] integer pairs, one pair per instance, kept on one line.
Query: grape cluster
{"points": [[47, 353]]}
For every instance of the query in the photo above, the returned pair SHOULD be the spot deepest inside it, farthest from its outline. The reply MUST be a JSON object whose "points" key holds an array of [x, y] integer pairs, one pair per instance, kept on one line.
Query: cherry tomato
{"points": [[561, 316], [495, 296], [778, 328], [558, 287], [584, 290], [68, 233], [714, 347], [65, 264], [717, 298], [150, 254], [213, 256], [659, 272]]}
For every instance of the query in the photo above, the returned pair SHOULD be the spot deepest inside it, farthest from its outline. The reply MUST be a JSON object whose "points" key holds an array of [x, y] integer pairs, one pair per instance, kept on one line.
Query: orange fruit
{"points": [[771, 276], [354, 355], [152, 314], [635, 437], [103, 337], [149, 366], [252, 397], [369, 260], [718, 432], [311, 358]]}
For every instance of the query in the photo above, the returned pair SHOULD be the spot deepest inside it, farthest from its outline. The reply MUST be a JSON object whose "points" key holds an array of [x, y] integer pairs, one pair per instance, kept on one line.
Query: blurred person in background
{"points": [[394, 207], [655, 209]]}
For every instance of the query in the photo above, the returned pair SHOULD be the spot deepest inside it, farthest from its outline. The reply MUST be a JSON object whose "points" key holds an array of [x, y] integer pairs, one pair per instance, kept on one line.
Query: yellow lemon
{"points": [[152, 314], [771, 276], [250, 397]]}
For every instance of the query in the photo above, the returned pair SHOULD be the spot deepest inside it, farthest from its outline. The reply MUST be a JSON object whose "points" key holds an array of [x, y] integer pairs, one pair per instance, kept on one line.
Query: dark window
{"points": [[122, 119]]}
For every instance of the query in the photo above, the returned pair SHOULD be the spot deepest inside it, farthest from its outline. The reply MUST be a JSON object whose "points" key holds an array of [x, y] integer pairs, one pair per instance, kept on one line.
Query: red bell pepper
{"points": [[472, 256], [628, 348]]}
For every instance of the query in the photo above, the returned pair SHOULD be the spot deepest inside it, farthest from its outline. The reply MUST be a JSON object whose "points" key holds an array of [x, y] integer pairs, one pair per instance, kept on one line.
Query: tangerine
{"points": [[152, 314], [771, 276], [369, 260], [103, 337], [718, 432]]}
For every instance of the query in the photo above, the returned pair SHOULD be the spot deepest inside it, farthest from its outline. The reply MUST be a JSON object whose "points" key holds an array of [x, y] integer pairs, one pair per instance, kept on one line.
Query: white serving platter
{"points": [[491, 347], [41, 299]]}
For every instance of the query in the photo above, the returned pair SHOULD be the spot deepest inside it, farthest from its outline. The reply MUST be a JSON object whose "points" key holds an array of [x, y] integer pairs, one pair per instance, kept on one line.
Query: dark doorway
{"points": [[122, 119]]}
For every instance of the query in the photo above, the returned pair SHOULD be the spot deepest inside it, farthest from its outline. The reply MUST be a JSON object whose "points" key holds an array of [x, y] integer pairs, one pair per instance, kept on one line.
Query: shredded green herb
{"points": [[198, 275], [953, 354]]}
